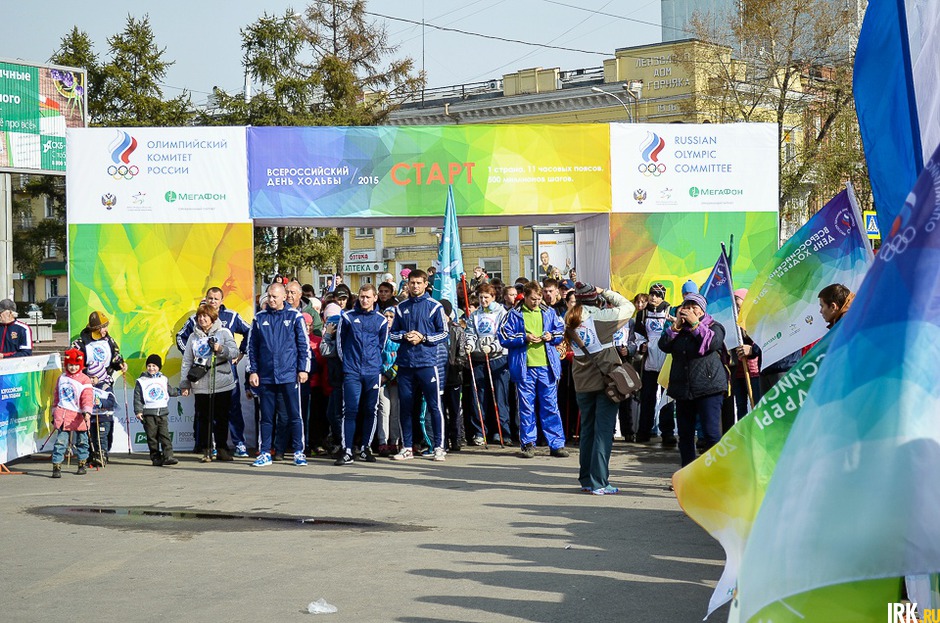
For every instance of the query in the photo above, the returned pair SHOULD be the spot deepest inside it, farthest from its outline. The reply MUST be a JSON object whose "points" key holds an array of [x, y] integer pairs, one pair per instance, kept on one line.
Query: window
{"points": [[52, 287], [405, 231], [322, 282], [49, 206], [50, 250], [493, 268], [365, 232], [365, 279]]}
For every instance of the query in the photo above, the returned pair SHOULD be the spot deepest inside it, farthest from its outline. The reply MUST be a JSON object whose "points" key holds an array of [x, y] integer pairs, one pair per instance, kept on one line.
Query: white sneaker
{"points": [[439, 455], [404, 454]]}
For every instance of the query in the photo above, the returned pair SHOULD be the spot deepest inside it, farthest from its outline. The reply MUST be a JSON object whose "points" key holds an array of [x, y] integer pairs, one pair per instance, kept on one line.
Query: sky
{"points": [[202, 36]]}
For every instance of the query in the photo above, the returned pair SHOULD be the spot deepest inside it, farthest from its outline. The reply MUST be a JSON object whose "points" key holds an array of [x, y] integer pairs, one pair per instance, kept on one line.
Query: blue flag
{"points": [[449, 256], [896, 97], [854, 497], [719, 294]]}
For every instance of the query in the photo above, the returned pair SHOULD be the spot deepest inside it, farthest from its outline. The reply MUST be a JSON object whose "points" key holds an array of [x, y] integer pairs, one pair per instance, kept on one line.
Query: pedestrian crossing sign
{"points": [[871, 225]]}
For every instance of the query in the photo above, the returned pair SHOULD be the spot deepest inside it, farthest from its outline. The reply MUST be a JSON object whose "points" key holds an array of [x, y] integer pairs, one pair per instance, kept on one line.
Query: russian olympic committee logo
{"points": [[843, 223], [121, 149], [650, 150], [902, 233]]}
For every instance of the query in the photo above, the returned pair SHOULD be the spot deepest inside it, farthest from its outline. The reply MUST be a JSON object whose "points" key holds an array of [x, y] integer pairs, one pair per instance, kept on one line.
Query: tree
{"points": [[30, 243], [788, 62], [324, 67], [77, 50], [130, 92]]}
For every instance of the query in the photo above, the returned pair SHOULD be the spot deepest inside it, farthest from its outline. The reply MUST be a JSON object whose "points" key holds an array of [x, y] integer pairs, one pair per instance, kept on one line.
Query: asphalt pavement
{"points": [[482, 537]]}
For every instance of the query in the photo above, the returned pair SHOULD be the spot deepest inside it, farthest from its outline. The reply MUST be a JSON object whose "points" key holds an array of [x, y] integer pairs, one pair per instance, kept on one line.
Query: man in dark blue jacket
{"points": [[361, 337], [232, 321], [419, 326], [278, 362]]}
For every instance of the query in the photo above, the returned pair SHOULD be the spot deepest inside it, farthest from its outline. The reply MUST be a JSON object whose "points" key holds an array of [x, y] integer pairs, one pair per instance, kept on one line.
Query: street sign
{"points": [[871, 225], [363, 267]]}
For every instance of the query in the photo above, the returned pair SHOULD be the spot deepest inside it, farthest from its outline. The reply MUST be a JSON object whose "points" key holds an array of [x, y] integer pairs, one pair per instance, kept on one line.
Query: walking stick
{"points": [[211, 413], [101, 457], [499, 424], [127, 416], [473, 378]]}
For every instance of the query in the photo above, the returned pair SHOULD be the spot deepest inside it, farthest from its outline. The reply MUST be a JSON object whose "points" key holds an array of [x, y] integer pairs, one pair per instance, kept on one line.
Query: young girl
{"points": [[73, 401]]}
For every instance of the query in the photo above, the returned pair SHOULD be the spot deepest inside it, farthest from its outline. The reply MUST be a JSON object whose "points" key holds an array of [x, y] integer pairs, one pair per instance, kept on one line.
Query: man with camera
{"points": [[278, 363]]}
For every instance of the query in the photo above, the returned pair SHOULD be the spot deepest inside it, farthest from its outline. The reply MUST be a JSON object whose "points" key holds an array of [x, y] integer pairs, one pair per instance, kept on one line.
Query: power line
{"points": [[494, 37]]}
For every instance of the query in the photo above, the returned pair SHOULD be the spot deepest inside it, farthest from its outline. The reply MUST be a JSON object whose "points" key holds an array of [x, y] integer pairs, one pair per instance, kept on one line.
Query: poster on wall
{"points": [[38, 103], [658, 168], [555, 252], [499, 170]]}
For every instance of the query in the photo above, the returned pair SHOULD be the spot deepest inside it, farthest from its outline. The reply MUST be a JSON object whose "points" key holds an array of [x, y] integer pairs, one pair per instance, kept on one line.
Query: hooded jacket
{"points": [[512, 335], [197, 346]]}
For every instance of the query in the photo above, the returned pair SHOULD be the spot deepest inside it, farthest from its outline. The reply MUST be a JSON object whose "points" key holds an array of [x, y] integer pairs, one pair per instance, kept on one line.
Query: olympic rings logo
{"points": [[122, 171], [897, 245], [652, 169]]}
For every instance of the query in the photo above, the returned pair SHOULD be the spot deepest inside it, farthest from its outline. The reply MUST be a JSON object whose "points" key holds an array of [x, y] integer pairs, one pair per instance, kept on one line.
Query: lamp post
{"points": [[635, 91], [622, 103]]}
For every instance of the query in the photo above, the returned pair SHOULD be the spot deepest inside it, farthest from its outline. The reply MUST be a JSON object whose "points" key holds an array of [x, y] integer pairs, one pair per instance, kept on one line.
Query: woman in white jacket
{"points": [[207, 371], [589, 331]]}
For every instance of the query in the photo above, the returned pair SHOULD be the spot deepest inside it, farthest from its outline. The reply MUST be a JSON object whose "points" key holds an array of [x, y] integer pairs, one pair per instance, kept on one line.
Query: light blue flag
{"points": [[896, 96], [855, 496], [719, 294], [449, 256]]}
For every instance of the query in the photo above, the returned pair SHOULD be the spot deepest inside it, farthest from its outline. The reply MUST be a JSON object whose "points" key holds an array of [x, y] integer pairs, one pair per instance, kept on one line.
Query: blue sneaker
{"points": [[263, 460], [299, 459], [241, 451], [608, 490], [215, 453]]}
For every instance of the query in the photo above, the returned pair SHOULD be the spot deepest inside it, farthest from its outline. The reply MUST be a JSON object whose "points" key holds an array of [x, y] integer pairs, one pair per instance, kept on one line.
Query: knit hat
{"points": [[741, 293], [698, 299], [156, 360], [585, 293], [74, 356], [97, 320], [689, 286], [387, 277], [405, 272], [448, 307], [307, 317], [7, 305], [658, 288]]}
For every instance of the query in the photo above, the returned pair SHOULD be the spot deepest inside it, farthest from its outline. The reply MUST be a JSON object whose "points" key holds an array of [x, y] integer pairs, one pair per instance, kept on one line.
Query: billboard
{"points": [[661, 168], [37, 104], [498, 170]]}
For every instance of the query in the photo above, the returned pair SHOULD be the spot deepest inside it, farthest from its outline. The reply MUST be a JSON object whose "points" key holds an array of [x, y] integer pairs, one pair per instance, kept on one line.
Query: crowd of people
{"points": [[392, 372]]}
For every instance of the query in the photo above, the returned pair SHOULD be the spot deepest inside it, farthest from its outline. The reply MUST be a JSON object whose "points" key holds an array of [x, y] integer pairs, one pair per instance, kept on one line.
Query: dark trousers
{"points": [[490, 378], [453, 417], [98, 436], [293, 426], [360, 400], [628, 412], [648, 399], [236, 419], [706, 410], [412, 384], [568, 402], [598, 418], [740, 394], [158, 437], [212, 413]]}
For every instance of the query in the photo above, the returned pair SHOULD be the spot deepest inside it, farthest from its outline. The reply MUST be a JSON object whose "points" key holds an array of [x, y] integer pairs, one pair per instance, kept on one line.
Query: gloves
{"points": [[488, 345]]}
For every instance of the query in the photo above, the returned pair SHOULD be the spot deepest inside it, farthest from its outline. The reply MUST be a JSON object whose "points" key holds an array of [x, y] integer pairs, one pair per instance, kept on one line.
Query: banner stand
{"points": [[5, 471]]}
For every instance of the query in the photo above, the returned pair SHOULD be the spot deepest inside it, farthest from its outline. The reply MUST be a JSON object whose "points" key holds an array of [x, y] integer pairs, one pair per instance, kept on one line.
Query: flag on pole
{"points": [[852, 498], [723, 489], [449, 255], [719, 294], [781, 310], [897, 98]]}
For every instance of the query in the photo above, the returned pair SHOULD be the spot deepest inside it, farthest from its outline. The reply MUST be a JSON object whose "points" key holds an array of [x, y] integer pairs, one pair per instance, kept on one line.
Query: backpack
{"points": [[456, 348]]}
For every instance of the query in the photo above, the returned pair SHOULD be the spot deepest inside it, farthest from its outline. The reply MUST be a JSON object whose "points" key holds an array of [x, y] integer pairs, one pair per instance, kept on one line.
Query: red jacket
{"points": [[319, 377], [66, 419]]}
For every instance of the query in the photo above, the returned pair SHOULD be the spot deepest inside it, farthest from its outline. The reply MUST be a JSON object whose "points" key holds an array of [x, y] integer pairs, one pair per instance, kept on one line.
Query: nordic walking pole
{"points": [[499, 424], [473, 378], [127, 416], [211, 407]]}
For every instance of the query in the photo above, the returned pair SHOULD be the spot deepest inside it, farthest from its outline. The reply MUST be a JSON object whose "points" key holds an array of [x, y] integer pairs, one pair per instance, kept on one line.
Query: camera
{"points": [[213, 341]]}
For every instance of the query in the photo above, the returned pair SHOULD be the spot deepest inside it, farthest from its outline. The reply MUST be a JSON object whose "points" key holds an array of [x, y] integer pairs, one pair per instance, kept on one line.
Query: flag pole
{"points": [[738, 330]]}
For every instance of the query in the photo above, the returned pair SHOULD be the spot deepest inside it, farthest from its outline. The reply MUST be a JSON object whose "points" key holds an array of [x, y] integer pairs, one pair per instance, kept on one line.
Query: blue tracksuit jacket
{"points": [[426, 316], [278, 347], [361, 339]]}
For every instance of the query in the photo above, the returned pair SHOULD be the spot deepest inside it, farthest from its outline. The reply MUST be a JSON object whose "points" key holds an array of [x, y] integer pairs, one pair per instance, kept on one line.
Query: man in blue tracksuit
{"points": [[232, 321], [278, 362], [360, 340], [419, 326], [531, 331]]}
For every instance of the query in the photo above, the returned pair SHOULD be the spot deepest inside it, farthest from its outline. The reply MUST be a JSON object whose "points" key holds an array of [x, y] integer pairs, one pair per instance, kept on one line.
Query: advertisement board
{"points": [[38, 103], [659, 168], [504, 170]]}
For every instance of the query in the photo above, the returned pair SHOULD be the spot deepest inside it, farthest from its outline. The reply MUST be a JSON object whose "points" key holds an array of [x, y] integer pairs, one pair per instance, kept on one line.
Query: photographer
{"points": [[207, 371]]}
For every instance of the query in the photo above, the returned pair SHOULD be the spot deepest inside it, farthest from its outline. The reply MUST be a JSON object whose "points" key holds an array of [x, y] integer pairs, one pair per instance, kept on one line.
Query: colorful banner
{"points": [[781, 311], [852, 497], [723, 489], [719, 294], [660, 168], [450, 255], [148, 278], [27, 387], [674, 247], [157, 175], [37, 104], [499, 170]]}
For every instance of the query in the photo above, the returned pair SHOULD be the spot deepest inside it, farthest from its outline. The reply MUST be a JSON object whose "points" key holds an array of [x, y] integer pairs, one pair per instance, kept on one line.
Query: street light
{"points": [[635, 91], [622, 103]]}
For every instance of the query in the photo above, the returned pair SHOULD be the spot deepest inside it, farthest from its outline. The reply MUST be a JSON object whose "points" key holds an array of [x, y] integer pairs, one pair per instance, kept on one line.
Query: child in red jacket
{"points": [[72, 405]]}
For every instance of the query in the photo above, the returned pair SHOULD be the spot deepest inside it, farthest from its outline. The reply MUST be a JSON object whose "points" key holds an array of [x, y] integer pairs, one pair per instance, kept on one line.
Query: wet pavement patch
{"points": [[179, 520]]}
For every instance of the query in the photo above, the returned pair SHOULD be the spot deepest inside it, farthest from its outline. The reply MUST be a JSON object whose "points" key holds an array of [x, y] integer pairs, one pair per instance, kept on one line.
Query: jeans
{"points": [[62, 442], [598, 418]]}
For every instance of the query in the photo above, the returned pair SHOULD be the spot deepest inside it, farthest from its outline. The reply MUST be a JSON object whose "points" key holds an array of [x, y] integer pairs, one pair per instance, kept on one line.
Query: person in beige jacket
{"points": [[589, 330]]}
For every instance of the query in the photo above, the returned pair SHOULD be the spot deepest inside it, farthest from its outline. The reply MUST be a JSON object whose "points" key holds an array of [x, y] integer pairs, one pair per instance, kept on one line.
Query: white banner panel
{"points": [[694, 167], [157, 175]]}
